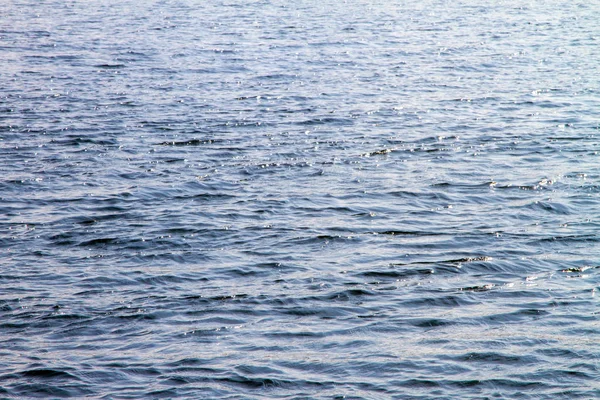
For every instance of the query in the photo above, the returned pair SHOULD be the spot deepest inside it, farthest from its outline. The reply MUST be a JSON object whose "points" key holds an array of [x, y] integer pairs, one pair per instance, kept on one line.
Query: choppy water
{"points": [[296, 200]]}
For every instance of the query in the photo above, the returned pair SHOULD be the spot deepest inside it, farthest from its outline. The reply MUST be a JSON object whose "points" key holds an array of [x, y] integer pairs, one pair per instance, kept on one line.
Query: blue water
{"points": [[232, 199]]}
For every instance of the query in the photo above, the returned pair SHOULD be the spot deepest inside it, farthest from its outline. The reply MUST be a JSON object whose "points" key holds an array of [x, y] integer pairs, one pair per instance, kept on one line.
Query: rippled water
{"points": [[296, 200]]}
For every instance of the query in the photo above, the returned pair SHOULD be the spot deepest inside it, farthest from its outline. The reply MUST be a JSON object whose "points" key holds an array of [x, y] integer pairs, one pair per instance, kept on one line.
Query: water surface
{"points": [[267, 200]]}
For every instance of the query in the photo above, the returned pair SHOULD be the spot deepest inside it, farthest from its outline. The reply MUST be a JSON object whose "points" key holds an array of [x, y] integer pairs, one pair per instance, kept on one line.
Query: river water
{"points": [[266, 199]]}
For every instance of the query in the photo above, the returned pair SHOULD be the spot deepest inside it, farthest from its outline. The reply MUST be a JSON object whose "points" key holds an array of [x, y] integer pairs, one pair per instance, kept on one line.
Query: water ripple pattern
{"points": [[266, 199]]}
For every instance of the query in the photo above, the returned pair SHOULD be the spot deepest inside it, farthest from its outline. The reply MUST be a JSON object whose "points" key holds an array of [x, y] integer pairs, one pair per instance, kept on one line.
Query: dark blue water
{"points": [[233, 199]]}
